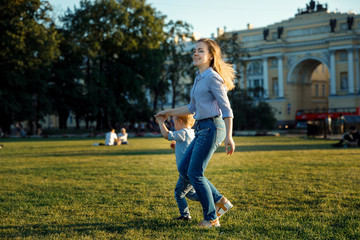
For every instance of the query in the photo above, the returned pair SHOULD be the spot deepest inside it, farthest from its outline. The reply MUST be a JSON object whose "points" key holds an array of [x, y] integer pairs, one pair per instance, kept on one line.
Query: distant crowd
{"points": [[138, 128], [141, 128]]}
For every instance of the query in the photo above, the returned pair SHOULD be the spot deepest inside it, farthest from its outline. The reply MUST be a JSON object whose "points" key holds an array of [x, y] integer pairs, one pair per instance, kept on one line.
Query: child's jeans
{"points": [[184, 189], [209, 134]]}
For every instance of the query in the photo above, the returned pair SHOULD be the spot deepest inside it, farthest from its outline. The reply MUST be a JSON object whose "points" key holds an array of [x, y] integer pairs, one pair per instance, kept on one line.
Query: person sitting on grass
{"points": [[349, 139], [122, 137], [111, 138], [183, 135]]}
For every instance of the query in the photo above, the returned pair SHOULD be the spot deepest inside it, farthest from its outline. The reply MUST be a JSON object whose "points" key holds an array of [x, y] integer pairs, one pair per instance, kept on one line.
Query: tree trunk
{"points": [[5, 124], [99, 120], [77, 122], [155, 101], [63, 116]]}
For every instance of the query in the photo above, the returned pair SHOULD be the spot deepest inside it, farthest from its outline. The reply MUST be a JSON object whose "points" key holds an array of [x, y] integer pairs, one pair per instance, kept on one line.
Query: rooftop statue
{"points": [[310, 8]]}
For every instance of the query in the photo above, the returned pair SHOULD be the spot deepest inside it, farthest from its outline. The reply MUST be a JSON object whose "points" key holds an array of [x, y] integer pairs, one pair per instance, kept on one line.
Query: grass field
{"points": [[281, 188]]}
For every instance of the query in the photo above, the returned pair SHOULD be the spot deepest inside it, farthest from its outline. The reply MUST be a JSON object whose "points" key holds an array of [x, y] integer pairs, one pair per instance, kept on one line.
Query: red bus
{"points": [[317, 114]]}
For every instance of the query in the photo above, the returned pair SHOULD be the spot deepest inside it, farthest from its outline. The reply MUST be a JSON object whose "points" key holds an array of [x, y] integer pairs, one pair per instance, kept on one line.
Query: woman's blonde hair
{"points": [[225, 70]]}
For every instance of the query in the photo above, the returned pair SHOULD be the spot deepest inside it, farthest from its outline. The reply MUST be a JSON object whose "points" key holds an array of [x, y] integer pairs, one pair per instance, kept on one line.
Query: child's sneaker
{"points": [[183, 218], [222, 206], [209, 224]]}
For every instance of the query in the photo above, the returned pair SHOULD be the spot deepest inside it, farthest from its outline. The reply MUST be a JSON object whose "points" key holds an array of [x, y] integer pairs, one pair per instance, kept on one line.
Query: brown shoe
{"points": [[209, 224], [222, 206]]}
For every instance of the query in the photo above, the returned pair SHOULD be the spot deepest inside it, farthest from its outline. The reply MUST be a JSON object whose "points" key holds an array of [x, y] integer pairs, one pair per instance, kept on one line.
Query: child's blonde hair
{"points": [[188, 120], [225, 70]]}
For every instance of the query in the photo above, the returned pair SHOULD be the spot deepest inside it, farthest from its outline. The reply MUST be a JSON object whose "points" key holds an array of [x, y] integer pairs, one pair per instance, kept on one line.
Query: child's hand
{"points": [[172, 145]]}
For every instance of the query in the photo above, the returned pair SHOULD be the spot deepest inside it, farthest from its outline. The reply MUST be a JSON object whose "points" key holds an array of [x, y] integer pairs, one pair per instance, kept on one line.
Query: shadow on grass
{"points": [[46, 230], [274, 147], [112, 153], [102, 151]]}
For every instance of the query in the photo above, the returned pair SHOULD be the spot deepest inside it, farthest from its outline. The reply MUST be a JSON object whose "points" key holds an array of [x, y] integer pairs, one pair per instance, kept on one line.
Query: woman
{"points": [[214, 120]]}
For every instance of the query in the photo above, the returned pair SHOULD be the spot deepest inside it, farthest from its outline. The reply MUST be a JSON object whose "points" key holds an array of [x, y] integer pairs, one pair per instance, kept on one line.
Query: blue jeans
{"points": [[184, 189], [209, 134]]}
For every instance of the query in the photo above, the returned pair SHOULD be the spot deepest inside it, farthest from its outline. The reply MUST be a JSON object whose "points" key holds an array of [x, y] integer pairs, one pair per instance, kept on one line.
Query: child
{"points": [[183, 137]]}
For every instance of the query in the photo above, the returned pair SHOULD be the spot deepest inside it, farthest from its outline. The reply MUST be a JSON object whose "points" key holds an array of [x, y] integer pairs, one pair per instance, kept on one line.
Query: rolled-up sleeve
{"points": [[218, 89], [191, 107]]}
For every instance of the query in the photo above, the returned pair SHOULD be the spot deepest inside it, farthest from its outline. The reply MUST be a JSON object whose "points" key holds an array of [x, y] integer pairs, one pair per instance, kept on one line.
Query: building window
{"points": [[255, 87], [255, 68], [343, 81], [275, 87], [258, 88], [255, 79], [273, 63], [343, 56], [316, 90], [323, 87]]}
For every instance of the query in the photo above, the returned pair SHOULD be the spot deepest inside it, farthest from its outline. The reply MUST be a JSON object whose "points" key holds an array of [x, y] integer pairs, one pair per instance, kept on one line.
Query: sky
{"points": [[207, 15]]}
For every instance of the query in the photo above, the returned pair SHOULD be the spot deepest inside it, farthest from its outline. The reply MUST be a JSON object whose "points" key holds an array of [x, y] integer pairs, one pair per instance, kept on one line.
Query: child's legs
{"points": [[184, 162], [191, 194], [181, 190]]}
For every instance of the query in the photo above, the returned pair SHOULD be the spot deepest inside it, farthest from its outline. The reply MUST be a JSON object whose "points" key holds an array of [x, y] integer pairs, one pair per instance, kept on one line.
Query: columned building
{"points": [[310, 61]]}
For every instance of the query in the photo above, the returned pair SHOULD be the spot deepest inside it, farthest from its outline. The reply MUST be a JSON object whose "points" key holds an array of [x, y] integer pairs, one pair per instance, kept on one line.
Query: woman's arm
{"points": [[218, 89], [229, 142], [180, 111]]}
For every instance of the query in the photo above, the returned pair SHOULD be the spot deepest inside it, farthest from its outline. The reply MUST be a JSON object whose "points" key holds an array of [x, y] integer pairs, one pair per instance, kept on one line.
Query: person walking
{"points": [[214, 122]]}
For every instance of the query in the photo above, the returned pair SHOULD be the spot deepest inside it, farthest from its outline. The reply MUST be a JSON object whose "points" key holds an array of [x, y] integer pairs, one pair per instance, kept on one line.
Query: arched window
{"points": [[255, 68]]}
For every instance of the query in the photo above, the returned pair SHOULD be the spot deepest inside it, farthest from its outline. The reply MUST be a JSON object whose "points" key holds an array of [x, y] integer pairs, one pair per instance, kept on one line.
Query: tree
{"points": [[29, 44], [115, 37], [152, 66], [65, 88], [249, 114], [179, 60]]}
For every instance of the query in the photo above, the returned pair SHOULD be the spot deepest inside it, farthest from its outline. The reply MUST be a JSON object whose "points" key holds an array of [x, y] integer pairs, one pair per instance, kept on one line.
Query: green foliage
{"points": [[281, 188], [65, 90], [179, 59], [250, 114], [29, 44], [121, 42]]}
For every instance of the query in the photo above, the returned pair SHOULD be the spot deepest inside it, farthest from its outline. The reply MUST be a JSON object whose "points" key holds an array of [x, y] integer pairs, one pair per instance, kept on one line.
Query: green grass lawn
{"points": [[281, 188]]}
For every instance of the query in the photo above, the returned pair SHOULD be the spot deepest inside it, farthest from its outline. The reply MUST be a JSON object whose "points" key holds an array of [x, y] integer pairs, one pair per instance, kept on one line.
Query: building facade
{"points": [[310, 61]]}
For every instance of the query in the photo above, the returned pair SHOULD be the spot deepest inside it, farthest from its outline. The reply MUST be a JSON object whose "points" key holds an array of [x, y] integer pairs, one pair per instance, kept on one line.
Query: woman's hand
{"points": [[229, 145], [162, 115], [229, 142]]}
